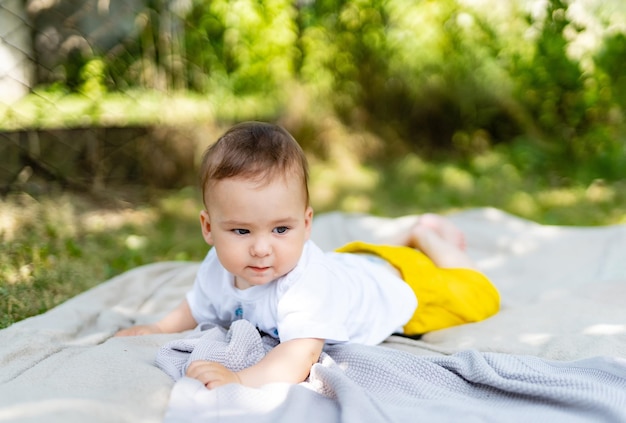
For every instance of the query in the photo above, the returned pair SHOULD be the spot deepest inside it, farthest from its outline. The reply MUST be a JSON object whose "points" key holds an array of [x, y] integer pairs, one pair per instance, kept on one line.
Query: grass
{"points": [[56, 246], [413, 185], [58, 109]]}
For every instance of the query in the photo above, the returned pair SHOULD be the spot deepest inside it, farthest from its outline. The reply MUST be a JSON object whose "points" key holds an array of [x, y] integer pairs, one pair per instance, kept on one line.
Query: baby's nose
{"points": [[261, 247]]}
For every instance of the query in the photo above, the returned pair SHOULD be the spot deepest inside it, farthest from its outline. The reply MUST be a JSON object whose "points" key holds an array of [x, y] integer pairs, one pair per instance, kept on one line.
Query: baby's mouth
{"points": [[259, 268]]}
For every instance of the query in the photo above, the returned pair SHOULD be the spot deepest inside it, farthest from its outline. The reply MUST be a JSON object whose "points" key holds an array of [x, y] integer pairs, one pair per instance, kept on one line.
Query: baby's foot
{"points": [[444, 228]]}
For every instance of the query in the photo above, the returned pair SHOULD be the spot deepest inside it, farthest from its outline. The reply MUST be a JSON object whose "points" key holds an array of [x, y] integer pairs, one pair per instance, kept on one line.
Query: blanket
{"points": [[563, 295], [356, 383]]}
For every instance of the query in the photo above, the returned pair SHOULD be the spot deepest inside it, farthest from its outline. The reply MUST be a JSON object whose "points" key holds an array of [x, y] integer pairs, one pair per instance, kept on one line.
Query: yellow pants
{"points": [[445, 297]]}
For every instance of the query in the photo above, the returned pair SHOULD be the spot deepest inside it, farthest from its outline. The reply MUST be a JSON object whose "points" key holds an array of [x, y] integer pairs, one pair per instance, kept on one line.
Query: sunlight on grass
{"points": [[523, 204], [342, 184], [55, 247], [108, 220], [560, 197], [488, 162], [43, 109], [600, 192], [52, 248], [412, 185], [136, 242], [411, 166], [186, 204], [457, 179]]}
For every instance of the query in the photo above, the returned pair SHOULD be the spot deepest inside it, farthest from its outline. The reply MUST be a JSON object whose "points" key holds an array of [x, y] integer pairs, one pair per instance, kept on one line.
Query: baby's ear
{"points": [[205, 222], [308, 221]]}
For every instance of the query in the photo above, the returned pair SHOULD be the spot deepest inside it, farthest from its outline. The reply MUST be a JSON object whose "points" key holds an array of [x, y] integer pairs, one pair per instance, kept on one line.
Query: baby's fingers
{"points": [[211, 374], [138, 330]]}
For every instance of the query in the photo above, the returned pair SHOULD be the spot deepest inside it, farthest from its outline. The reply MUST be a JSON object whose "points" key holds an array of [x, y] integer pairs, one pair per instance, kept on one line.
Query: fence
{"points": [[44, 42], [16, 55], [90, 159]]}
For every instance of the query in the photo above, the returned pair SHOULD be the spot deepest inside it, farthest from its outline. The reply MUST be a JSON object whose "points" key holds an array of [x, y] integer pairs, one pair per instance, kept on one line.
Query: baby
{"points": [[264, 268]]}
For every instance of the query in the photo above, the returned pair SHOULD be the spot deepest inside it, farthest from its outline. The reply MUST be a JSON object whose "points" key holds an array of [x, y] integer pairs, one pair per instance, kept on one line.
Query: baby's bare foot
{"points": [[444, 228]]}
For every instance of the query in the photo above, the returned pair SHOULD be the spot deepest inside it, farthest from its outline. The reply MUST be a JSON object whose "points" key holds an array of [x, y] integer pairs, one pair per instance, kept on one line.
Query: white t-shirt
{"points": [[339, 297]]}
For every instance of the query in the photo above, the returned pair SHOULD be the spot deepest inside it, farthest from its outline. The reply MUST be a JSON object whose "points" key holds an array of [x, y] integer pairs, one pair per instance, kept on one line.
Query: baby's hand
{"points": [[211, 374], [139, 330]]}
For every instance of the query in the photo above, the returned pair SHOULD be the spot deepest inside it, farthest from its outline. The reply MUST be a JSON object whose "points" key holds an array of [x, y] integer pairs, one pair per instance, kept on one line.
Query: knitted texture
{"points": [[372, 384], [236, 349]]}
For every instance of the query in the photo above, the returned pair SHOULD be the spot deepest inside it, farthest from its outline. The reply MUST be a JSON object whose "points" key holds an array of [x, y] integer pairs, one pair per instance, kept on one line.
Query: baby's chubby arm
{"points": [[178, 320], [289, 361]]}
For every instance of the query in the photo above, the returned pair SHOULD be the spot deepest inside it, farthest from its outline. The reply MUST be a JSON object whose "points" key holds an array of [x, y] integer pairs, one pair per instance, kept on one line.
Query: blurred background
{"points": [[402, 107]]}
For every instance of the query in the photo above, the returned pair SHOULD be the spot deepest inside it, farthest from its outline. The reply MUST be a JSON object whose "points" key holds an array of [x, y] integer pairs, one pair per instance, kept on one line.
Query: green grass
{"points": [[56, 246], [413, 185], [58, 109]]}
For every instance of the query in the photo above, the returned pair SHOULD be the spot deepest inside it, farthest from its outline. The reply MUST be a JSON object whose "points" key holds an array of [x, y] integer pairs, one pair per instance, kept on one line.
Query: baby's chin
{"points": [[245, 283]]}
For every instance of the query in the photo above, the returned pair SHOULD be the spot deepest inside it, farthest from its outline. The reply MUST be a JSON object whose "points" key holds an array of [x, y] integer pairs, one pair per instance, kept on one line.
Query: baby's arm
{"points": [[177, 320], [289, 361]]}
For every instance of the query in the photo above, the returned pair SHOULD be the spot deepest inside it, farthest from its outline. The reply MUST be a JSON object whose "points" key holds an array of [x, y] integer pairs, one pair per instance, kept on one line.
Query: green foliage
{"points": [[612, 68], [430, 76], [240, 47], [381, 89], [550, 84], [569, 106], [92, 77]]}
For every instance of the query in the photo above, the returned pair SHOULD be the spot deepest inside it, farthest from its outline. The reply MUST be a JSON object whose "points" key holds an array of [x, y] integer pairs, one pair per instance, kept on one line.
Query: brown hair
{"points": [[254, 150]]}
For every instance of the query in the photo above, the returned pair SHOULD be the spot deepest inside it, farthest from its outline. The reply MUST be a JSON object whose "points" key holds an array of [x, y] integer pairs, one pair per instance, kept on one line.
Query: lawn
{"points": [[58, 245], [524, 110]]}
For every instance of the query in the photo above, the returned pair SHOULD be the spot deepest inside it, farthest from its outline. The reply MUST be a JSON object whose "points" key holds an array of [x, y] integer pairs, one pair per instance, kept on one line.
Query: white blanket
{"points": [[563, 298]]}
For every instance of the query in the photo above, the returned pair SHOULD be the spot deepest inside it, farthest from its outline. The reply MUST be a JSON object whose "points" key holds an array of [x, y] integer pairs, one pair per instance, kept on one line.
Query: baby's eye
{"points": [[241, 231], [281, 229]]}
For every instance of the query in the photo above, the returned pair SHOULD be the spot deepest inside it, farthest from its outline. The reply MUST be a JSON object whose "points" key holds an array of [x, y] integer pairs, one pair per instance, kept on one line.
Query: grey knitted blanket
{"points": [[354, 383]]}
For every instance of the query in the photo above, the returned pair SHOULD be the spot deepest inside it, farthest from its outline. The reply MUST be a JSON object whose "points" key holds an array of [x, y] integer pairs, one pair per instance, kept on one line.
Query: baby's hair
{"points": [[254, 150]]}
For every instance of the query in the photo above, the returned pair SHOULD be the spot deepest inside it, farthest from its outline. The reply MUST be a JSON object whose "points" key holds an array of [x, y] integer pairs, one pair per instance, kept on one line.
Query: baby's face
{"points": [[257, 229]]}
